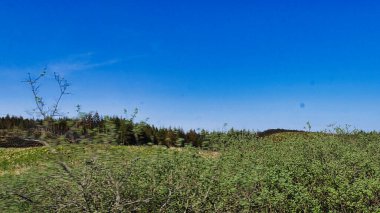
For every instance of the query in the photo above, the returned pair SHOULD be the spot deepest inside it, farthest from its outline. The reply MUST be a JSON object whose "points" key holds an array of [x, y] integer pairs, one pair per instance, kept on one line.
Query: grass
{"points": [[14, 161], [311, 172]]}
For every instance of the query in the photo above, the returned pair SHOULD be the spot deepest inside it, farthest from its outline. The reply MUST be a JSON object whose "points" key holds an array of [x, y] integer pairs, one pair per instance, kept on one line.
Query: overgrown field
{"points": [[311, 172]]}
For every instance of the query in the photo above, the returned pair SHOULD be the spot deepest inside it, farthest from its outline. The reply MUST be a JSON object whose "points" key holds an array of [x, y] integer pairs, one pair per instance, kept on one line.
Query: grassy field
{"points": [[311, 172]]}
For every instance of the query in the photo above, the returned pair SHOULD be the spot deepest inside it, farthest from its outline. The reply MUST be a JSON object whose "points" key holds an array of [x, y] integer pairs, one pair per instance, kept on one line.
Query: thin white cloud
{"points": [[70, 64], [64, 66], [67, 67]]}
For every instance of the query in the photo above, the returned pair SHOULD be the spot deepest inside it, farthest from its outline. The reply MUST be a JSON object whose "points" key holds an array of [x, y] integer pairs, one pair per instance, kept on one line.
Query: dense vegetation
{"points": [[311, 172], [90, 128], [113, 164]]}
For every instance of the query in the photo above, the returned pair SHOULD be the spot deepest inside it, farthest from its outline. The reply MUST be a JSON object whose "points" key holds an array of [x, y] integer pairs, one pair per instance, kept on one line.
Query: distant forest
{"points": [[94, 128]]}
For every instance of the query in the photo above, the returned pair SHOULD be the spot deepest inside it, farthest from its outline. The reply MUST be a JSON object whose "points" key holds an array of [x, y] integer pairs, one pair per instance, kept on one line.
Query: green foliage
{"points": [[85, 170], [287, 172], [91, 128]]}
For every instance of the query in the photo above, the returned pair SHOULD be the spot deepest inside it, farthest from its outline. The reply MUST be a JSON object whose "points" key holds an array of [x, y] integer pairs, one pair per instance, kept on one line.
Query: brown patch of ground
{"points": [[15, 171], [270, 132], [16, 142], [209, 154]]}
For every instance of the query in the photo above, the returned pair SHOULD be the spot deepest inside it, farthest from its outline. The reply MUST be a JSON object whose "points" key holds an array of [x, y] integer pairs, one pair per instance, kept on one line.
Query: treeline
{"points": [[9, 122], [94, 128]]}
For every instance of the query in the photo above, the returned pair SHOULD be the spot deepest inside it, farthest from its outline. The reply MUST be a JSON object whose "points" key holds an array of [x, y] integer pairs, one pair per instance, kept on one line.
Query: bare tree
{"points": [[41, 108]]}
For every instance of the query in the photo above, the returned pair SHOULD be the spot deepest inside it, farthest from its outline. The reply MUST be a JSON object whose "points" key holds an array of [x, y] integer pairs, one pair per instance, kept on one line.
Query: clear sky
{"points": [[199, 64]]}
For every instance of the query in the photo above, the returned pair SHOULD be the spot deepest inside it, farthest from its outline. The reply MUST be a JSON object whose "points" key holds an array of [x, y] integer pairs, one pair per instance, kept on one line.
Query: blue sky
{"points": [[199, 64]]}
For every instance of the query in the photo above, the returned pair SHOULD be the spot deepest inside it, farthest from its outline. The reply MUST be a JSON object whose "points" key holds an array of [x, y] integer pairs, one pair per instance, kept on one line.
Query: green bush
{"points": [[302, 172]]}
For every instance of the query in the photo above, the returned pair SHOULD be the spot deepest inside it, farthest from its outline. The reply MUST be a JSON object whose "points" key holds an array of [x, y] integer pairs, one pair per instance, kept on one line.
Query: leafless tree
{"points": [[41, 108]]}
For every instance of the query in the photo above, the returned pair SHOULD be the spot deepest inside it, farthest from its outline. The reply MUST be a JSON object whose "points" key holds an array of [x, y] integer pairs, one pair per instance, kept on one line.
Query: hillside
{"points": [[283, 172]]}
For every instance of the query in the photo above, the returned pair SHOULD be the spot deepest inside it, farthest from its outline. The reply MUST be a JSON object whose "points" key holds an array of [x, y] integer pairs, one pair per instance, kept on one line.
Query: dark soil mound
{"points": [[269, 132], [15, 142]]}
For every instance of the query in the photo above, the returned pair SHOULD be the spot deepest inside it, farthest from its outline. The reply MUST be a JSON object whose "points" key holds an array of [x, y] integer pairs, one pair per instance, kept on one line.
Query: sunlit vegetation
{"points": [[312, 172], [91, 128], [93, 163]]}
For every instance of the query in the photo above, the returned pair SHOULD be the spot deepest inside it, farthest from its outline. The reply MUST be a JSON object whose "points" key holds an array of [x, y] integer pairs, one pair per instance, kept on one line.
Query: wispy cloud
{"points": [[67, 67], [78, 62], [72, 63]]}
